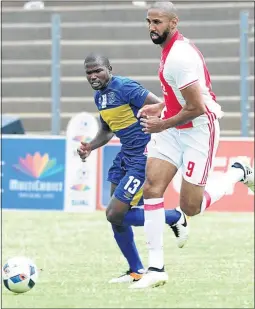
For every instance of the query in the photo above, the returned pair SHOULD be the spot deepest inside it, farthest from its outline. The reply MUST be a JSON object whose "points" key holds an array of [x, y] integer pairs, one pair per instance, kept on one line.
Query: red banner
{"points": [[241, 198]]}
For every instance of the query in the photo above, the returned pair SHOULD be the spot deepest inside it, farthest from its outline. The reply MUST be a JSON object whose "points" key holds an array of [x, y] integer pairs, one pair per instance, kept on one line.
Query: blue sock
{"points": [[135, 217], [124, 237], [172, 216]]}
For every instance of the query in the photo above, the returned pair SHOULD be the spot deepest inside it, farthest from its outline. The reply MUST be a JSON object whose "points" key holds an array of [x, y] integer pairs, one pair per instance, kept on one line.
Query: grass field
{"points": [[78, 256]]}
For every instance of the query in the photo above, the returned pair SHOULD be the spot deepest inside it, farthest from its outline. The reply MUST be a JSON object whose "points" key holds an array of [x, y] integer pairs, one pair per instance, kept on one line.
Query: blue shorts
{"points": [[128, 174]]}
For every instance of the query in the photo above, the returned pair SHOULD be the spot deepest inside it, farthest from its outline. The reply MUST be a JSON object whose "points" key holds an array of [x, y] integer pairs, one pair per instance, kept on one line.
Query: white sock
{"points": [[154, 214], [216, 188]]}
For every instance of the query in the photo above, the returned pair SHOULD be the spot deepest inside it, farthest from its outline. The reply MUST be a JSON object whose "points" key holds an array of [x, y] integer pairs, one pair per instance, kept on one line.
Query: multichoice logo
{"points": [[38, 167], [81, 138], [80, 187]]}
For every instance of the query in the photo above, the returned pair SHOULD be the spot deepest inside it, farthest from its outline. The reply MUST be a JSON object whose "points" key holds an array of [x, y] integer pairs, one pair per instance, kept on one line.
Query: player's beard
{"points": [[161, 38]]}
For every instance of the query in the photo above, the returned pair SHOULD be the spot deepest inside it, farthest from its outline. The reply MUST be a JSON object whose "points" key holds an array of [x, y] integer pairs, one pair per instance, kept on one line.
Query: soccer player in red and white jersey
{"points": [[186, 138]]}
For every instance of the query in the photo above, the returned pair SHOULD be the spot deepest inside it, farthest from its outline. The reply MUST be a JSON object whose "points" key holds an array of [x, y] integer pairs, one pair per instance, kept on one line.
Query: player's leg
{"points": [[159, 173], [194, 199], [174, 218], [128, 193], [123, 234], [197, 193], [130, 189], [115, 209], [135, 215], [120, 213], [124, 237], [164, 146], [199, 148], [164, 159]]}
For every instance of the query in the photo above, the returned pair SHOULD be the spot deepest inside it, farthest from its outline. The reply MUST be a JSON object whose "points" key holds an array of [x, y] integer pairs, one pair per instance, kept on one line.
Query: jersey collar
{"points": [[177, 35]]}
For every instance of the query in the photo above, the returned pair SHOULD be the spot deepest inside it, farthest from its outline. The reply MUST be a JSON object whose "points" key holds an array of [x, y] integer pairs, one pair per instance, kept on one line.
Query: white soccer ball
{"points": [[19, 274]]}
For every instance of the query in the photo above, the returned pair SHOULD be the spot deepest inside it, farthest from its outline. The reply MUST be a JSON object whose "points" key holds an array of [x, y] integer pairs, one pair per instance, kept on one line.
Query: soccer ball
{"points": [[19, 274]]}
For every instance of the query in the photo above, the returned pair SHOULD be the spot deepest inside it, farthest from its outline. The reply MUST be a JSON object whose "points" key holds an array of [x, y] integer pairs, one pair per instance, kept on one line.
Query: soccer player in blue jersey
{"points": [[118, 100]]}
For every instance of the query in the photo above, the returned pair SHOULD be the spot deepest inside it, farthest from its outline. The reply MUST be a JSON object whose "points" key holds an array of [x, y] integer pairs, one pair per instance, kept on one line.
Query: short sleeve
{"points": [[182, 67], [134, 93], [104, 124]]}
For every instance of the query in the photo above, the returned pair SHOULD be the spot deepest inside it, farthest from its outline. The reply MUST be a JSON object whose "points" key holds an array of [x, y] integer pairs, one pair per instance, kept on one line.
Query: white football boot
{"points": [[128, 277], [150, 279], [180, 229], [248, 179]]}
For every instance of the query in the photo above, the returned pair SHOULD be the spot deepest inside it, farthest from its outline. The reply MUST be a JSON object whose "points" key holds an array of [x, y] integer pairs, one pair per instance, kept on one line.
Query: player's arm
{"points": [[152, 106], [193, 108], [152, 99], [103, 136], [183, 70]]}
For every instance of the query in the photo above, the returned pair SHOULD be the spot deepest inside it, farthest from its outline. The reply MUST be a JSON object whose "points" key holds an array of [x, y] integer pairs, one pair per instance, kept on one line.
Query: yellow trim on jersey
{"points": [[137, 197], [119, 117]]}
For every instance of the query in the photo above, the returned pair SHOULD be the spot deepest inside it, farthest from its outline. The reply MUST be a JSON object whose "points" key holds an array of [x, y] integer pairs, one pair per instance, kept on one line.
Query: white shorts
{"points": [[193, 150]]}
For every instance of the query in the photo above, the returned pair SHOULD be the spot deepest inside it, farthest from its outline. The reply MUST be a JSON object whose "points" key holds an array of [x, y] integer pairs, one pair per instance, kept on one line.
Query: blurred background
{"points": [[119, 31]]}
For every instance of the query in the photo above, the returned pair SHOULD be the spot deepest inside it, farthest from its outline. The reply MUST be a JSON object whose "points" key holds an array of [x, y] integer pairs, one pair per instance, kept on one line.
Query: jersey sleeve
{"points": [[133, 93], [182, 67], [104, 124]]}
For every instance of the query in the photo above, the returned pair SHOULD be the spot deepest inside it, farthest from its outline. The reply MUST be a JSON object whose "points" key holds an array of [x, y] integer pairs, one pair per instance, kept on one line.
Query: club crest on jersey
{"points": [[110, 97]]}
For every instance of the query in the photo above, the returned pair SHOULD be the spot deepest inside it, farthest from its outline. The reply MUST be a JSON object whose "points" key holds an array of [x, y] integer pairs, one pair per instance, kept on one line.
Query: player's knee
{"points": [[191, 208], [151, 190], [110, 215], [113, 217]]}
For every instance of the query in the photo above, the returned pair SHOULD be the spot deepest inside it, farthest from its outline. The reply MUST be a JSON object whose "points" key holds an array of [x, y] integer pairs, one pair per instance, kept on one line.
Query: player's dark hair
{"points": [[97, 59]]}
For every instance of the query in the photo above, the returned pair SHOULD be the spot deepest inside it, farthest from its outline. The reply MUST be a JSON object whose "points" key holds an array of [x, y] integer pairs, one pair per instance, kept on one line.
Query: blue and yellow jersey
{"points": [[118, 105]]}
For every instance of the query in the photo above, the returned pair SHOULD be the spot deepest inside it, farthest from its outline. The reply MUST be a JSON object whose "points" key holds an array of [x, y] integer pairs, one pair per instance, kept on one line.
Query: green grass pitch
{"points": [[78, 256]]}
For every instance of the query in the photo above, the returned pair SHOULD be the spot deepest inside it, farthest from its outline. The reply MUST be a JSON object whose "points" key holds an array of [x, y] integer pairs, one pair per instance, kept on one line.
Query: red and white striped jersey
{"points": [[182, 65]]}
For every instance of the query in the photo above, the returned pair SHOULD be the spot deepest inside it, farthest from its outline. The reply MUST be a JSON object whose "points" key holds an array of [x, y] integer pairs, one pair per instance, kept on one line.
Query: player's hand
{"points": [[84, 151], [152, 124], [150, 110]]}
